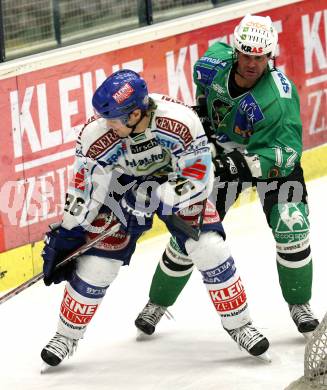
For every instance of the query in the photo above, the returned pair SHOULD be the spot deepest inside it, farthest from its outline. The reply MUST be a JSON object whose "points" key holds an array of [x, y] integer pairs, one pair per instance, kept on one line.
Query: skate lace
{"points": [[62, 346], [152, 313], [301, 313], [246, 336]]}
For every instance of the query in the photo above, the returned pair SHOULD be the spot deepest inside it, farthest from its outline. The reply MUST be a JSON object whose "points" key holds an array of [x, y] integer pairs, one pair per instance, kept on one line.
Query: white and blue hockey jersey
{"points": [[174, 146]]}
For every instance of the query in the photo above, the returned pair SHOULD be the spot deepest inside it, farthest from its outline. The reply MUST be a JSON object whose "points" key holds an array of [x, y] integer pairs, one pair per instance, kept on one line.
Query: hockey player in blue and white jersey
{"points": [[139, 155]]}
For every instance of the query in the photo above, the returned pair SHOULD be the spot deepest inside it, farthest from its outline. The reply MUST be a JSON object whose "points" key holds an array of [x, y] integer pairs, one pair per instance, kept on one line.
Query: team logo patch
{"points": [[144, 146], [283, 84], [204, 74], [229, 298], [79, 180], [291, 219], [214, 61], [248, 113], [253, 50], [123, 93], [222, 273], [173, 126], [255, 25], [76, 312], [192, 214], [292, 225], [172, 100], [196, 171], [102, 144], [274, 172], [115, 242], [218, 88]]}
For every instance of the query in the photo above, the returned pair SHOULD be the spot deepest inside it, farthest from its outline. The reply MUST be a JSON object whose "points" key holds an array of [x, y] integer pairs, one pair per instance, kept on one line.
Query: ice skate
{"points": [[56, 350], [251, 340], [304, 319], [149, 317]]}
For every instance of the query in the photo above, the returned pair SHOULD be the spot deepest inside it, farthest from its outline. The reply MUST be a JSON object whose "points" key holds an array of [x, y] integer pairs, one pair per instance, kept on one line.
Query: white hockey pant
{"points": [[84, 293], [212, 257]]}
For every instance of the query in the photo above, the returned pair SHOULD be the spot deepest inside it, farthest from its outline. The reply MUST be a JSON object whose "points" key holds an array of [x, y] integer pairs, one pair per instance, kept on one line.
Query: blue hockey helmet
{"points": [[120, 94]]}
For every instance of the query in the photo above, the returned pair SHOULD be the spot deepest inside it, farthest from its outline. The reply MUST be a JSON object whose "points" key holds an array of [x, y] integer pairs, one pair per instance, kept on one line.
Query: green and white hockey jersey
{"points": [[264, 121]]}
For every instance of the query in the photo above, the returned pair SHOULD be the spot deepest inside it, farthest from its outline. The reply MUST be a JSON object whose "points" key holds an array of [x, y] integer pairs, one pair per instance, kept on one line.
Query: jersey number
{"points": [[280, 158], [73, 206]]}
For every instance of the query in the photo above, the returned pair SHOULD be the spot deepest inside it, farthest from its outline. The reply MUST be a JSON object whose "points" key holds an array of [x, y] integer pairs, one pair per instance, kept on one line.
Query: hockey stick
{"points": [[176, 221], [73, 255], [187, 229]]}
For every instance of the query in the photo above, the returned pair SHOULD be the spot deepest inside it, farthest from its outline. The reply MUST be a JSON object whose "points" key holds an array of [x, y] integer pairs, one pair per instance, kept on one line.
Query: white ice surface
{"points": [[192, 352]]}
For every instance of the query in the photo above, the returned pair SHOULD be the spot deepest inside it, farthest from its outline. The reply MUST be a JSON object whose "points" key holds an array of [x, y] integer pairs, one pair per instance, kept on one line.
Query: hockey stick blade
{"points": [[187, 229], [184, 227], [113, 229]]}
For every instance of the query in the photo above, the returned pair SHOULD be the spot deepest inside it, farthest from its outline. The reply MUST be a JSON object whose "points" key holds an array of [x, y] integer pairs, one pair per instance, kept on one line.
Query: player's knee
{"points": [[291, 257], [174, 262], [209, 252], [97, 271]]}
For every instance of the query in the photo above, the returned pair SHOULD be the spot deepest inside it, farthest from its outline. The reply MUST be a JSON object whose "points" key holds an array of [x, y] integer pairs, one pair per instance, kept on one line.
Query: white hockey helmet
{"points": [[256, 35]]}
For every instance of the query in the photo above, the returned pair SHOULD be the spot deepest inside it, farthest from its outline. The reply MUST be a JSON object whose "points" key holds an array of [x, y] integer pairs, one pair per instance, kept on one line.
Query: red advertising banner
{"points": [[42, 111]]}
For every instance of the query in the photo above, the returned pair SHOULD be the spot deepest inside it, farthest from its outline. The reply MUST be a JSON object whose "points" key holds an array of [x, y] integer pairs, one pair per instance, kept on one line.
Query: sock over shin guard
{"points": [[172, 274], [165, 289], [84, 293], [78, 307], [212, 257], [290, 226]]}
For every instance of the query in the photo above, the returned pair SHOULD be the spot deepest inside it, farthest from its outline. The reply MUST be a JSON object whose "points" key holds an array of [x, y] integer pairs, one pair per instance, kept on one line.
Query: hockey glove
{"points": [[202, 112], [58, 244], [232, 167], [136, 212]]}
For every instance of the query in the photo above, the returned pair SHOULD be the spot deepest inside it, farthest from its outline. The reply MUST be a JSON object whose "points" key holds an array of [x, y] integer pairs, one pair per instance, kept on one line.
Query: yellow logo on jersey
{"points": [[243, 133]]}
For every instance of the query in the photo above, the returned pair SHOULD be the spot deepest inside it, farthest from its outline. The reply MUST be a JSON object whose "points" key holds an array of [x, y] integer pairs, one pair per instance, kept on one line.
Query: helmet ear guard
{"points": [[256, 35], [120, 94]]}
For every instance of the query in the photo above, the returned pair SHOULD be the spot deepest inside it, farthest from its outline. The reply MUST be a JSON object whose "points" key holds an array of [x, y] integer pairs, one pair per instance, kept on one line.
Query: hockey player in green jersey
{"points": [[251, 114]]}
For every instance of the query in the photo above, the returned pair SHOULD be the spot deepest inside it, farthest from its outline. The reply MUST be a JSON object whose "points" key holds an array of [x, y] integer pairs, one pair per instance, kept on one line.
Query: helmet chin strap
{"points": [[133, 127], [235, 63], [237, 72]]}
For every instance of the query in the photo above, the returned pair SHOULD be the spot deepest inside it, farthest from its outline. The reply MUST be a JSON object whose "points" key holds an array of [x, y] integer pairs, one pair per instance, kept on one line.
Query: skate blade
{"points": [[44, 368], [264, 357], [307, 335], [141, 336]]}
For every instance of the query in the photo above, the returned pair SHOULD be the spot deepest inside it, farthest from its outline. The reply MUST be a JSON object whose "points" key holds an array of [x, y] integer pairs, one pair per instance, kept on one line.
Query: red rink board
{"points": [[42, 110]]}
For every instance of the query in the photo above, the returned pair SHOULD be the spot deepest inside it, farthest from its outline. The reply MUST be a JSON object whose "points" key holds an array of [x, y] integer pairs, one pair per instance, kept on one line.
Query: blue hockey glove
{"points": [[135, 207], [58, 244]]}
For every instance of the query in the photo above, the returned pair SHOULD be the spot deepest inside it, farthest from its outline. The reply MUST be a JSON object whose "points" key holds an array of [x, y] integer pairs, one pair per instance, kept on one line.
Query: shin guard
{"points": [[212, 257], [84, 293], [290, 227], [172, 274]]}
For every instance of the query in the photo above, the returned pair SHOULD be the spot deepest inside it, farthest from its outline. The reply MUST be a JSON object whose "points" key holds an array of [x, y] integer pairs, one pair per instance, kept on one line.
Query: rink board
{"points": [[20, 264], [45, 99]]}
